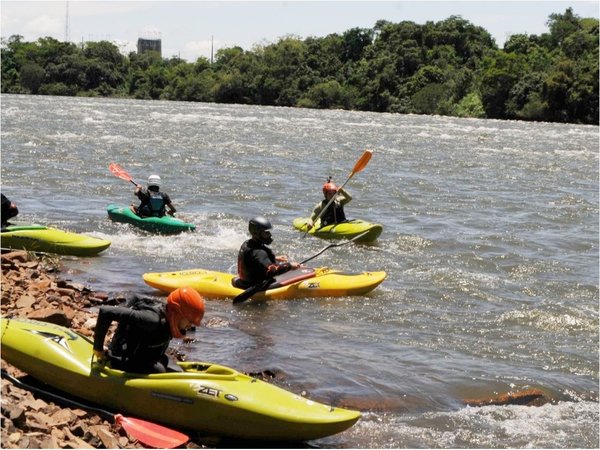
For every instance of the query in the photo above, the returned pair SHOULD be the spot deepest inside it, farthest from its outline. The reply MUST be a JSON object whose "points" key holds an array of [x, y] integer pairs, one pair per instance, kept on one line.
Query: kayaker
{"points": [[257, 262], [145, 328], [153, 202], [9, 210], [335, 211]]}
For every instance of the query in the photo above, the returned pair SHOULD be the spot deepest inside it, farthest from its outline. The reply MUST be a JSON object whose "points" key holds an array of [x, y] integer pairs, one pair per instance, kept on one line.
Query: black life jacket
{"points": [[249, 271], [136, 350], [333, 214], [155, 205]]}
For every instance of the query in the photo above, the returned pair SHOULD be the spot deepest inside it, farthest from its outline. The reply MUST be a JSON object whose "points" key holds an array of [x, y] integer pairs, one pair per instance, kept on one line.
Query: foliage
{"points": [[450, 67]]}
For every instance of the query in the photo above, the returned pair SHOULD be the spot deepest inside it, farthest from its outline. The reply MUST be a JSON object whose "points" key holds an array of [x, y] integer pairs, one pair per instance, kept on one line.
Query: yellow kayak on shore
{"points": [[303, 282], [38, 238], [210, 399]]}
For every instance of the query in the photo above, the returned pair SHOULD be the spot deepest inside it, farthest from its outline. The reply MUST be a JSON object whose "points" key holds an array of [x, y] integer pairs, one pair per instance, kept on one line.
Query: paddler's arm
{"points": [[316, 211], [344, 197], [272, 268], [108, 314], [170, 208], [140, 192]]}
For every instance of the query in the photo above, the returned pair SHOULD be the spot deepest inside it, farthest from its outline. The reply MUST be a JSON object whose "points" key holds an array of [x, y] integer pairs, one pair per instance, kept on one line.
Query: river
{"points": [[490, 244]]}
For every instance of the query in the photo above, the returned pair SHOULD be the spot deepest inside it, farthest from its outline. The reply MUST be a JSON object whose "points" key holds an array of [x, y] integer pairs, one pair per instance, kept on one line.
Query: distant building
{"points": [[149, 45]]}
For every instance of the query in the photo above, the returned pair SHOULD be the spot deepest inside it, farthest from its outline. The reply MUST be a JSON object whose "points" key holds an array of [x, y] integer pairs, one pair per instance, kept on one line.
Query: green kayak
{"points": [[161, 225], [342, 230], [38, 238]]}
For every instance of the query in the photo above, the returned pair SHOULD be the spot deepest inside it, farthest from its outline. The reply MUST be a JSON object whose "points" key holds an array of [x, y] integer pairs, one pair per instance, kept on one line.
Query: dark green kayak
{"points": [[162, 225]]}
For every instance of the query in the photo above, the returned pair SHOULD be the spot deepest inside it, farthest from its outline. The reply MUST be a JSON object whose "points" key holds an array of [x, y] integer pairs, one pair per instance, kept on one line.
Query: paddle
{"points": [[360, 165], [121, 173], [148, 433], [263, 286]]}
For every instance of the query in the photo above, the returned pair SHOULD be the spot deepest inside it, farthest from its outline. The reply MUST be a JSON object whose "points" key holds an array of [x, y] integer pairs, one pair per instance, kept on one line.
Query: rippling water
{"points": [[490, 243]]}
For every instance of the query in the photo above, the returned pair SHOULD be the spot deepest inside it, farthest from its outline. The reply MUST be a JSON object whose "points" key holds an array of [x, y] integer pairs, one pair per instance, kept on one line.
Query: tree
{"points": [[32, 77]]}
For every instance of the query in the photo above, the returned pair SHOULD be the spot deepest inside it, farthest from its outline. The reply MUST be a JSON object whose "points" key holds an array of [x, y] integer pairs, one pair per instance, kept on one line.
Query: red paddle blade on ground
{"points": [[118, 171], [151, 434]]}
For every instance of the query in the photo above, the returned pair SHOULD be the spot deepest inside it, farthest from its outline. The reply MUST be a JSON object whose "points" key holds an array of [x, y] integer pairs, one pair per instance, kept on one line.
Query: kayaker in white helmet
{"points": [[154, 203], [335, 211], [145, 329], [257, 262]]}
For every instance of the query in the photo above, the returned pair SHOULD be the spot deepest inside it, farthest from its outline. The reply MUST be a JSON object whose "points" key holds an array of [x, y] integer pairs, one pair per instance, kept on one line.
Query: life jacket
{"points": [[333, 214], [155, 205], [249, 272], [134, 349]]}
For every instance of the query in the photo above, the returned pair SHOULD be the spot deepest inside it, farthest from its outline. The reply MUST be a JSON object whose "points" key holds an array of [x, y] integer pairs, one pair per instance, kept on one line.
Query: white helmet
{"points": [[154, 180]]}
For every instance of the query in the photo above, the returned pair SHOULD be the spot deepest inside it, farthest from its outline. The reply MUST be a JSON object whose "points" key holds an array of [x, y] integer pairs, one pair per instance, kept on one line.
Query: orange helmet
{"points": [[185, 303], [329, 187]]}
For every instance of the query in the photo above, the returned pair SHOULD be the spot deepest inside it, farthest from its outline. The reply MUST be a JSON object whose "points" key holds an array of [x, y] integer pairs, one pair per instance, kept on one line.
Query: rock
{"points": [[25, 301], [532, 397], [16, 414], [109, 440], [62, 417], [50, 315], [35, 404]]}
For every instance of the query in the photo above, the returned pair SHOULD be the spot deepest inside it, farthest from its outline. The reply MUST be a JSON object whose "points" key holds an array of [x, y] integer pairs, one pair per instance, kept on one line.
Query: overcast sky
{"points": [[186, 28]]}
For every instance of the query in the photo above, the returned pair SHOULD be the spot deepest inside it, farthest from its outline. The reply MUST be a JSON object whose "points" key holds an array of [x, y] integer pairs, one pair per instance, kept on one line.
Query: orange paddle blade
{"points": [[151, 434], [362, 162], [118, 171]]}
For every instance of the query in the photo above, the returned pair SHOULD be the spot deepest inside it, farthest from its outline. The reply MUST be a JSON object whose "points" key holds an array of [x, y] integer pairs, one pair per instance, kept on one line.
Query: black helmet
{"points": [[257, 225]]}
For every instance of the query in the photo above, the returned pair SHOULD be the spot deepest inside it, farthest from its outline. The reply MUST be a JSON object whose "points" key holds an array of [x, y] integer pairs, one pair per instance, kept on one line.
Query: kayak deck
{"points": [[161, 225], [323, 282], [39, 238], [208, 398], [343, 230]]}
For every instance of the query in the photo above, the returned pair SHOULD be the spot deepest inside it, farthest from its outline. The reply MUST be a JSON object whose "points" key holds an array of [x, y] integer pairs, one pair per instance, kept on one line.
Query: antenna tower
{"points": [[67, 37]]}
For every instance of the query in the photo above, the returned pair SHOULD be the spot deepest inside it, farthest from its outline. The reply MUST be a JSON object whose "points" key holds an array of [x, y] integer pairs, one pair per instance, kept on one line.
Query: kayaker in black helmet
{"points": [[9, 210], [335, 211], [145, 328], [153, 202], [257, 262]]}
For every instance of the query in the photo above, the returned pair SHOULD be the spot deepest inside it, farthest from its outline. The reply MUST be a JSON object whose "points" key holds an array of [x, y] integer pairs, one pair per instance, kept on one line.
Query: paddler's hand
{"points": [[309, 224], [100, 356]]}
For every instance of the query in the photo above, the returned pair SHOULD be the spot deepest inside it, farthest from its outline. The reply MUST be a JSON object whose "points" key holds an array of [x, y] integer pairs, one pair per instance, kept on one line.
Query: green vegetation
{"points": [[451, 67]]}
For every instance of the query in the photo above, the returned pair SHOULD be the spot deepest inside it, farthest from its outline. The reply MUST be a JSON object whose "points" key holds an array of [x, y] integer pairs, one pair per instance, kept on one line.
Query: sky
{"points": [[188, 29]]}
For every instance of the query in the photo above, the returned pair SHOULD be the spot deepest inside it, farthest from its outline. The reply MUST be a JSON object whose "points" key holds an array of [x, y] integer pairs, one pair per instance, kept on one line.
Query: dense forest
{"points": [[451, 67]]}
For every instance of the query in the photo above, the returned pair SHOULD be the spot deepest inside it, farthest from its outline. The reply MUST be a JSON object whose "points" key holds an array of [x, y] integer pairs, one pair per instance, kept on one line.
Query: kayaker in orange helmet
{"points": [[145, 328], [335, 211], [154, 203], [257, 262]]}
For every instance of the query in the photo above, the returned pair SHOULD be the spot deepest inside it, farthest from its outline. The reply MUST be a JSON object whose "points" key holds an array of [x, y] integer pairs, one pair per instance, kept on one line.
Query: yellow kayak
{"points": [[304, 282], [38, 238], [343, 230], [208, 398]]}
